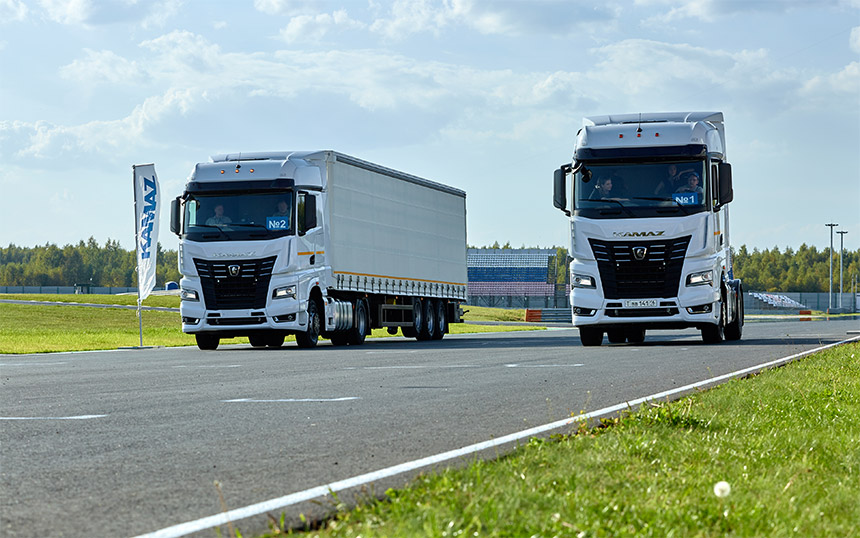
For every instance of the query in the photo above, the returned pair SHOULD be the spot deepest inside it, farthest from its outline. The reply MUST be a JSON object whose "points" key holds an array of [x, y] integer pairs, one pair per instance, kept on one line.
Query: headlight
{"points": [[582, 281], [285, 292], [188, 295], [703, 278]]}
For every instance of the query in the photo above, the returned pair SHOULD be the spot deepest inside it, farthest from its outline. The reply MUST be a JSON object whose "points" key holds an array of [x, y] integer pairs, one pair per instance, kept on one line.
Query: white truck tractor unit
{"points": [[649, 227], [316, 244]]}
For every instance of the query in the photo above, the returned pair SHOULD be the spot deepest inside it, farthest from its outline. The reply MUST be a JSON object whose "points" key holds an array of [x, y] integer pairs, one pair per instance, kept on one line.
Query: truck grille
{"points": [[235, 284], [624, 276]]}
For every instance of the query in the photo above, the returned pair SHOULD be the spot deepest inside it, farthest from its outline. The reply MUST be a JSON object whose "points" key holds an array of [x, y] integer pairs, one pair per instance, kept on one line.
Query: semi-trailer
{"points": [[316, 243], [649, 227]]}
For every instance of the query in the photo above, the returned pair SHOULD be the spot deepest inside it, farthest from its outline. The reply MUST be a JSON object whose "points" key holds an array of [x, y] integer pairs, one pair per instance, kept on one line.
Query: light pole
{"points": [[830, 290], [841, 236]]}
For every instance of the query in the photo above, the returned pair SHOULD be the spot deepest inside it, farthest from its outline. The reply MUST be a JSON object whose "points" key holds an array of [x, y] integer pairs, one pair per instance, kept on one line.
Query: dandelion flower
{"points": [[722, 489]]}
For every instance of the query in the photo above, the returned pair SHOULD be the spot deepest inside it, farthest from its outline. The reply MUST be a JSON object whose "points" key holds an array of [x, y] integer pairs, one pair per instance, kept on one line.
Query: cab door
{"points": [[309, 231]]}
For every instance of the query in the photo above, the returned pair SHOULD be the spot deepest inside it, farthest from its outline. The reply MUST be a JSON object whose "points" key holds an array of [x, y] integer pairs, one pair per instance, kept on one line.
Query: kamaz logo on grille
{"points": [[640, 252], [234, 270], [638, 234]]}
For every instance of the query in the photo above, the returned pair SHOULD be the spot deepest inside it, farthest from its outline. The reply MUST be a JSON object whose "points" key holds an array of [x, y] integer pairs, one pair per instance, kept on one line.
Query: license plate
{"points": [[640, 303]]}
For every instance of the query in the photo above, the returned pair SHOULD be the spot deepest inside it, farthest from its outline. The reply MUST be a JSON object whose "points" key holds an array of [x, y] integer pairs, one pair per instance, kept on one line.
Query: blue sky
{"points": [[484, 96]]}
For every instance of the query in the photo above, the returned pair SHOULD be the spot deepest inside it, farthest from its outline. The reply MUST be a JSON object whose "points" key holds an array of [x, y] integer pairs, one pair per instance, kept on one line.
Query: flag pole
{"points": [[137, 253]]}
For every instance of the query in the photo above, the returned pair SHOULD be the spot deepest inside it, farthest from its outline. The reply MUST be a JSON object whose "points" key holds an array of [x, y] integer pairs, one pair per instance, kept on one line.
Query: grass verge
{"points": [[786, 441], [32, 328]]}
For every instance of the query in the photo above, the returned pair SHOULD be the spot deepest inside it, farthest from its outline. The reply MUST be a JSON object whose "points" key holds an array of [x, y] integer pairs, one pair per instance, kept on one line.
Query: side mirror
{"points": [[559, 189], [310, 212], [726, 192], [175, 220]]}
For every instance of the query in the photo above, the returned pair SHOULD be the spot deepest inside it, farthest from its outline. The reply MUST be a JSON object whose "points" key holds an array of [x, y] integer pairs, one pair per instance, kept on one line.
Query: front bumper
{"points": [[283, 314]]}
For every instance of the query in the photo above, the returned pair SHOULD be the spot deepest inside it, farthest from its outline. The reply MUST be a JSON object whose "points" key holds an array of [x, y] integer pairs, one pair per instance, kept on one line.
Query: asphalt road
{"points": [[128, 442]]}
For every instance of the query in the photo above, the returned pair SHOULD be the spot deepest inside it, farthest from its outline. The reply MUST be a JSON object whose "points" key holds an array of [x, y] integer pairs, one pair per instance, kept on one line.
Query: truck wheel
{"points": [[257, 340], [429, 327], [635, 336], [735, 329], [441, 319], [355, 336], [590, 336], [309, 338], [616, 336], [207, 341], [274, 340], [714, 334]]}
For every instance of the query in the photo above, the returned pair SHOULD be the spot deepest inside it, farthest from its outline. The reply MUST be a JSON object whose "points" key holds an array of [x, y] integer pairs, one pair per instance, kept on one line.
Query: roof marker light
{"points": [[222, 171], [621, 136]]}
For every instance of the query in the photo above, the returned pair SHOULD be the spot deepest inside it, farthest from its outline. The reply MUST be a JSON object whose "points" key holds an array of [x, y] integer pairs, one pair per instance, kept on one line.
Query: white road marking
{"points": [[278, 503], [31, 363], [78, 417], [210, 366], [292, 400], [541, 365], [411, 367]]}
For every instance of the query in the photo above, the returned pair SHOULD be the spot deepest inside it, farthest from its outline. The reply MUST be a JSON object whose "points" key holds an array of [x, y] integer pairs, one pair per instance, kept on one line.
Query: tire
{"points": [[714, 334], [635, 336], [257, 340], [590, 336], [616, 336], [274, 340], [208, 342], [417, 320], [429, 328], [309, 338], [735, 329], [356, 335], [441, 319]]}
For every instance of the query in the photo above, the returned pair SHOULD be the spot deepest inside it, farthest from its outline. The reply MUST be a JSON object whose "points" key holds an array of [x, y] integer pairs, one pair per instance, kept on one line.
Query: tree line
{"points": [[84, 263], [806, 269]]}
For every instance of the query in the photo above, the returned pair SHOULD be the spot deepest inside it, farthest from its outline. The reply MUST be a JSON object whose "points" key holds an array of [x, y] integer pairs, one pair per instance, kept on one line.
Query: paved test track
{"points": [[128, 442]]}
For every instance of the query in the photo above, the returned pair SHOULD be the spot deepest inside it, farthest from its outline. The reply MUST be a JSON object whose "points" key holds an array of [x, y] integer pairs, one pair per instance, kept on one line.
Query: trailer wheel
{"points": [[310, 337], [616, 336], [441, 319], [590, 336], [207, 342], [355, 336], [429, 328], [417, 319], [735, 329]]}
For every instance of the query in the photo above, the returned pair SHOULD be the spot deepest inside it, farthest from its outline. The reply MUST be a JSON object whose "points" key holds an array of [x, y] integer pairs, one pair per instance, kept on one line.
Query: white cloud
{"points": [[12, 11], [68, 11], [312, 28], [512, 17], [101, 67], [285, 7]]}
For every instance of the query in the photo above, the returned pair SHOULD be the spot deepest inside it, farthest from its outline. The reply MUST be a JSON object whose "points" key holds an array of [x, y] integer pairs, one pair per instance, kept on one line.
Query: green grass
{"points": [[787, 441], [48, 328]]}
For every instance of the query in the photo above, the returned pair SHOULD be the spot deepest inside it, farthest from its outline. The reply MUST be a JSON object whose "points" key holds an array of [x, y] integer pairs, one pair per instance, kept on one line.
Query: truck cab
{"points": [[648, 212]]}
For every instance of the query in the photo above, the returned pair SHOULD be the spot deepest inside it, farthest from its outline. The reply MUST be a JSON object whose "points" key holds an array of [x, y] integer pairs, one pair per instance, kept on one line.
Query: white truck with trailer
{"points": [[649, 227], [316, 244]]}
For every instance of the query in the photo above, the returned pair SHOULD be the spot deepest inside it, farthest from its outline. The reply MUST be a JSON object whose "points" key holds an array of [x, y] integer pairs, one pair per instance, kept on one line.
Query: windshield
{"points": [[238, 216], [626, 189]]}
